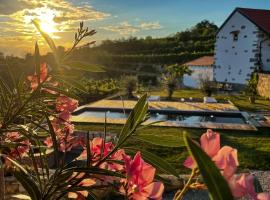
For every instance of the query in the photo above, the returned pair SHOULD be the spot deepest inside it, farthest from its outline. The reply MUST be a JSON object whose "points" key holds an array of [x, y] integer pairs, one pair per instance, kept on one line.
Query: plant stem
{"points": [[179, 195], [2, 182]]}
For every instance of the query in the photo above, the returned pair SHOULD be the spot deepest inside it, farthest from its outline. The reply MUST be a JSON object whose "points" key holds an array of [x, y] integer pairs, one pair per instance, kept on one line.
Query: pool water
{"points": [[183, 118]]}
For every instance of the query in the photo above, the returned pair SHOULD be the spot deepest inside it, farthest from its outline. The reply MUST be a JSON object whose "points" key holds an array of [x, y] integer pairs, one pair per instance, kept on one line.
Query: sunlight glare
{"points": [[46, 17]]}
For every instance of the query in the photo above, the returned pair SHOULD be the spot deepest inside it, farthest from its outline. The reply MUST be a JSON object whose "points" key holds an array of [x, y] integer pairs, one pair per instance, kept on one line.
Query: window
{"points": [[235, 35]]}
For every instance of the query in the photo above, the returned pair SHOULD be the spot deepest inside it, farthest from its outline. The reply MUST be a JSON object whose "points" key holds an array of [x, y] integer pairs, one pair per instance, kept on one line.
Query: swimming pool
{"points": [[171, 116]]}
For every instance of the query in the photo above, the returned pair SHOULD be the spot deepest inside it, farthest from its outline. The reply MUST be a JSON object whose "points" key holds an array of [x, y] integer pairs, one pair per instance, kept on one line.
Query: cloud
{"points": [[125, 28], [56, 16], [150, 25], [60, 14]]}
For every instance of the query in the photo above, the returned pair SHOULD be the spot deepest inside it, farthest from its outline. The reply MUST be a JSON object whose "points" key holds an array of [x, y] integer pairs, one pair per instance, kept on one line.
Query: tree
{"points": [[173, 77], [252, 87], [129, 84]]}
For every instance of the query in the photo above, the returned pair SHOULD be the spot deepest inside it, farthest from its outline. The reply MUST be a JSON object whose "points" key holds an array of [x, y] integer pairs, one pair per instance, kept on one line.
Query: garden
{"points": [[37, 137]]}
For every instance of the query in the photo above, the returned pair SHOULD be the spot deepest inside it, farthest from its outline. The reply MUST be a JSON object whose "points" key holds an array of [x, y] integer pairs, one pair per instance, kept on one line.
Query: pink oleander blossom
{"points": [[242, 185], [225, 157], [65, 137], [96, 148], [263, 196], [34, 78], [64, 103], [22, 148], [139, 183]]}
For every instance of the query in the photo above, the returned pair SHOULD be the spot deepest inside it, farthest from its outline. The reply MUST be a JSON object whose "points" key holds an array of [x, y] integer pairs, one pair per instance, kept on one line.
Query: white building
{"points": [[242, 46], [202, 68]]}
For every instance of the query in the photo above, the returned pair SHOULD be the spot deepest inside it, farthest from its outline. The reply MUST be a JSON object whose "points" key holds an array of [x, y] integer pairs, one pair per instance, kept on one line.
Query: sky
{"points": [[112, 19]]}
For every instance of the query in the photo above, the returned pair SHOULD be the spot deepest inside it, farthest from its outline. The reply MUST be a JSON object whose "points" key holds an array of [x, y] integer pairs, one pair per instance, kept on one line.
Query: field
{"points": [[253, 147]]}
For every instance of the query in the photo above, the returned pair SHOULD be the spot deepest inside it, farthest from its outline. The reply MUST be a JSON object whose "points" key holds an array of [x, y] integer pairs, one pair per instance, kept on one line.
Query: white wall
{"points": [[232, 58], [197, 72], [266, 55]]}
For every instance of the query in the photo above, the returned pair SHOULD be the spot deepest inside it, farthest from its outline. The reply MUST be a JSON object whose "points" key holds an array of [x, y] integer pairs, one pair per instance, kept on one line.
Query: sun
{"points": [[45, 16], [47, 27]]}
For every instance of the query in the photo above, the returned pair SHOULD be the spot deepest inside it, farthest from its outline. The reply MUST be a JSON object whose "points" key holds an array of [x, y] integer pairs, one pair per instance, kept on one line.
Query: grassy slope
{"points": [[253, 149]]}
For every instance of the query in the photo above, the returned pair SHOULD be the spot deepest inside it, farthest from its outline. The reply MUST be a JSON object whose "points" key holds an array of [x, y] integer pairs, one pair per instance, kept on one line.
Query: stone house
{"points": [[242, 46], [202, 68]]}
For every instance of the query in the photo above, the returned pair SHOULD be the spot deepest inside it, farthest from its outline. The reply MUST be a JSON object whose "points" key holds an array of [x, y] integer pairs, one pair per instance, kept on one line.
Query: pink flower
{"points": [[64, 103], [242, 185], [34, 78], [22, 148], [263, 196], [64, 116], [113, 166], [139, 182], [65, 137], [95, 148], [210, 142], [226, 160]]}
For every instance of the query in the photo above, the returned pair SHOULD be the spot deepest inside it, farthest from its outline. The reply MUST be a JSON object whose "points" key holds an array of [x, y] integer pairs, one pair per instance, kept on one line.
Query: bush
{"points": [[129, 84], [206, 85]]}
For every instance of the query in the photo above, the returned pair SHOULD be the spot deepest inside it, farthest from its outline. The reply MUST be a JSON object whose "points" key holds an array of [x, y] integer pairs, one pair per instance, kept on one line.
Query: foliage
{"points": [[173, 77], [129, 84], [252, 87], [96, 89], [206, 85]]}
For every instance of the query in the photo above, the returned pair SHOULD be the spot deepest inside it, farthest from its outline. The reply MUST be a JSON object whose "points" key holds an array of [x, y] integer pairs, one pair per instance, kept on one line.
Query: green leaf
{"points": [[37, 61], [61, 91], [46, 37], [257, 185], [54, 140], [28, 184], [154, 160], [216, 184], [94, 170], [83, 66], [135, 118]]}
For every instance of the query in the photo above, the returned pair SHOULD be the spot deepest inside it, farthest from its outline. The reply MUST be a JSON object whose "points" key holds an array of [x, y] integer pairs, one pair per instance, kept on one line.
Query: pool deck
{"points": [[193, 106], [183, 106]]}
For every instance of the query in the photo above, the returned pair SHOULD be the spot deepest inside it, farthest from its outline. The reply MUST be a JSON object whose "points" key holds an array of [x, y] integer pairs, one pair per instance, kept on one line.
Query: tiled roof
{"points": [[202, 61], [259, 17]]}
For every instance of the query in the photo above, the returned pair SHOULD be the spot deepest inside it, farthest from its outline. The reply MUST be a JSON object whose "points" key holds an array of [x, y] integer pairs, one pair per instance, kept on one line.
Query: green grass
{"points": [[253, 147], [241, 101]]}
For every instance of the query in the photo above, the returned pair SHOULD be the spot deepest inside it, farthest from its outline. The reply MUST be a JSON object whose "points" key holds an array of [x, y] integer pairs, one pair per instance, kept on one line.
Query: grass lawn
{"points": [[241, 101], [253, 147]]}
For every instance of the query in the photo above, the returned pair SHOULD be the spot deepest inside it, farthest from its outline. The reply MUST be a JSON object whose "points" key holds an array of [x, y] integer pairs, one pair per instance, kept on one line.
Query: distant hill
{"points": [[137, 54], [194, 42]]}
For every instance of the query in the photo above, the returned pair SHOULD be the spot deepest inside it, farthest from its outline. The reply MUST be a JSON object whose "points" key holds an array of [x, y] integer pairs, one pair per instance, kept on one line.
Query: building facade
{"points": [[202, 68], [242, 46]]}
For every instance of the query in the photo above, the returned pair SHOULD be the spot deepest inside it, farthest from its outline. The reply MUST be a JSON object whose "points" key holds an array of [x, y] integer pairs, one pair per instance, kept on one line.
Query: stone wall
{"points": [[263, 87]]}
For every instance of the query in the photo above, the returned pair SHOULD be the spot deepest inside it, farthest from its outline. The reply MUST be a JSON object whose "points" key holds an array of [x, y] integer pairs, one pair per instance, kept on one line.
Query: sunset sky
{"points": [[112, 19]]}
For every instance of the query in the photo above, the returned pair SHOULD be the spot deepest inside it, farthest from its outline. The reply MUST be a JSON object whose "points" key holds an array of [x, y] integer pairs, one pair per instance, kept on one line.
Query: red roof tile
{"points": [[259, 17], [202, 61]]}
